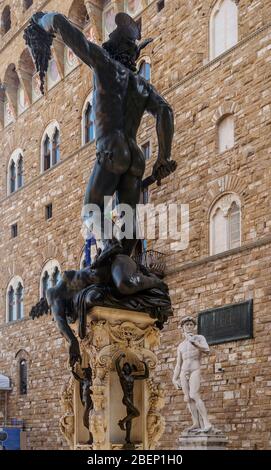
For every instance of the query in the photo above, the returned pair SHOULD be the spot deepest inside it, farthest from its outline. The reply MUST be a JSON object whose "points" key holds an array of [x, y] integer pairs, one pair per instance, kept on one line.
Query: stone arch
{"points": [[11, 84], [78, 13], [224, 110], [6, 21]]}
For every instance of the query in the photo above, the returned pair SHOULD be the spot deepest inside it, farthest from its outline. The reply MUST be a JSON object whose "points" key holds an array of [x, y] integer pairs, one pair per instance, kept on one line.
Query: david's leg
{"points": [[190, 404], [195, 396]]}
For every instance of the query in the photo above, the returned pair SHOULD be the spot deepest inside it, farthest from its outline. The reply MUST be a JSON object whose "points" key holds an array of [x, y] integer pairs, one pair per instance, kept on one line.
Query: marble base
{"points": [[111, 332], [203, 441]]}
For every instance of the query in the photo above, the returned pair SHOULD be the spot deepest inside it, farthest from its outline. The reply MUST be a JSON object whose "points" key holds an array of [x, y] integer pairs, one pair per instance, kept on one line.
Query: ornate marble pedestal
{"points": [[111, 332]]}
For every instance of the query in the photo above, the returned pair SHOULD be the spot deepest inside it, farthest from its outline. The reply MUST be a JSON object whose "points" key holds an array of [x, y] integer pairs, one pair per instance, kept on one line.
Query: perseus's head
{"points": [[123, 44]]}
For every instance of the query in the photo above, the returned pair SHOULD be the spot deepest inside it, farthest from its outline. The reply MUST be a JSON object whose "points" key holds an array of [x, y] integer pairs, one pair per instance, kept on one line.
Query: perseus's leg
{"points": [[129, 192], [102, 183]]}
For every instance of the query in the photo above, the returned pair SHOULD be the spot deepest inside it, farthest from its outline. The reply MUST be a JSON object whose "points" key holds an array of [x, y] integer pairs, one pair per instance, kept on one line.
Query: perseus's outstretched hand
{"points": [[162, 169]]}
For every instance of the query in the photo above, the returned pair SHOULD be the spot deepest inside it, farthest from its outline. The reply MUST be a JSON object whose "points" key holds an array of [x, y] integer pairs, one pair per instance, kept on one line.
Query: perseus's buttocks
{"points": [[113, 152]]}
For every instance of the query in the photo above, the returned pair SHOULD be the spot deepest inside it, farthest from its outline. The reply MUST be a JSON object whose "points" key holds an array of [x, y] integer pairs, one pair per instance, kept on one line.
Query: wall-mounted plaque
{"points": [[229, 323]]}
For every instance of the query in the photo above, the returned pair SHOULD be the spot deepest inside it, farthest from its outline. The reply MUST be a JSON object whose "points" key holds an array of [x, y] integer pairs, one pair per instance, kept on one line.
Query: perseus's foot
{"points": [[121, 425]]}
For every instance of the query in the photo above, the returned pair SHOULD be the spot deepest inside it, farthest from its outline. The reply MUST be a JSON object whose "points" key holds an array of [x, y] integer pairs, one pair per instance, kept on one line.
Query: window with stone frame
{"points": [[6, 20], [15, 300], [225, 224], [50, 148], [88, 121], [146, 149], [223, 27], [23, 376], [226, 133], [15, 173]]}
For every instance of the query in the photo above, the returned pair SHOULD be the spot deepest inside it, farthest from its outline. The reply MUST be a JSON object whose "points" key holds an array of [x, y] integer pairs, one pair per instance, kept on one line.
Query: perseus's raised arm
{"points": [[87, 51]]}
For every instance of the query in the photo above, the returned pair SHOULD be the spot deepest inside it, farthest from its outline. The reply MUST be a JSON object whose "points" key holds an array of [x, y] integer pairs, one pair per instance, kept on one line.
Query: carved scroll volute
{"points": [[67, 421], [155, 421], [98, 419]]}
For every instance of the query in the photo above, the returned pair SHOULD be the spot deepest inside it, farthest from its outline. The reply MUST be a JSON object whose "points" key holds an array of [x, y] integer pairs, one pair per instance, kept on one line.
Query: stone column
{"points": [[111, 332]]}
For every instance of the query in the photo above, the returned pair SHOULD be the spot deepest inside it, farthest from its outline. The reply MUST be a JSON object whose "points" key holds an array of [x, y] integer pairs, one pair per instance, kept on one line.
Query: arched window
{"points": [[145, 70], [27, 4], [109, 24], [70, 60], [78, 14], [133, 7], [20, 172], [226, 137], [12, 177], [223, 27], [50, 276], [23, 376], [13, 92], [50, 149], [27, 73], [6, 20], [53, 76], [56, 147], [88, 122], [15, 174], [15, 300], [225, 224]]}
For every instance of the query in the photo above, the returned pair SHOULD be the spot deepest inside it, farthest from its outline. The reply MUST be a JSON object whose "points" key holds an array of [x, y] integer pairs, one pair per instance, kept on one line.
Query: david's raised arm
{"points": [[87, 51]]}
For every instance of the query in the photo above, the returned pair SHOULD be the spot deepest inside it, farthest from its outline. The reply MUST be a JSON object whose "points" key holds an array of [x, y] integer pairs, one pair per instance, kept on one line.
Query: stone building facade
{"points": [[211, 60]]}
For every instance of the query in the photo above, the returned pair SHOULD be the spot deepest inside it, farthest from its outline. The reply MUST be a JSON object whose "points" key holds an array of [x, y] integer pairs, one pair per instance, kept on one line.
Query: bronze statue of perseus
{"points": [[120, 98]]}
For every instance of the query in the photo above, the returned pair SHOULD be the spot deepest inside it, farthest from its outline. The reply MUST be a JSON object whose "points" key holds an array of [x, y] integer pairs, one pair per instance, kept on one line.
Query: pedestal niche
{"points": [[113, 335]]}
